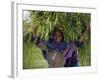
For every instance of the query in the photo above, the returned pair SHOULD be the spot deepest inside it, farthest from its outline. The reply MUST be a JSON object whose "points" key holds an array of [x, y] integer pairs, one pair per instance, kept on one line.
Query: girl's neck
{"points": [[58, 43]]}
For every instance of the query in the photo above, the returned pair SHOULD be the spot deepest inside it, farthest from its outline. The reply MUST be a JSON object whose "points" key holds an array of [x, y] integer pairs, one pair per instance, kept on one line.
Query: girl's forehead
{"points": [[57, 32]]}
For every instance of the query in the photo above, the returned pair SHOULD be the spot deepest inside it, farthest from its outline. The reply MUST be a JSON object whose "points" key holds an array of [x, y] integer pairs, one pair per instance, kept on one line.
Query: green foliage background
{"points": [[72, 25]]}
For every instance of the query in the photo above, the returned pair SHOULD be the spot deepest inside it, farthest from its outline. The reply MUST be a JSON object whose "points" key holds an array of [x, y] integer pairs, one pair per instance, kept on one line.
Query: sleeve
{"points": [[39, 43], [78, 43]]}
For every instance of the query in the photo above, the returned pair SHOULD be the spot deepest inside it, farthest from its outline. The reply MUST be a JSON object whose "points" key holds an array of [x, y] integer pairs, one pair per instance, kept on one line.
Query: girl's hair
{"points": [[60, 31]]}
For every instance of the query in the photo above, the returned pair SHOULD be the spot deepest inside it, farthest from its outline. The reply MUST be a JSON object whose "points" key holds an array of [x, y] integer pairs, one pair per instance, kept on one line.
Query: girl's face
{"points": [[57, 36]]}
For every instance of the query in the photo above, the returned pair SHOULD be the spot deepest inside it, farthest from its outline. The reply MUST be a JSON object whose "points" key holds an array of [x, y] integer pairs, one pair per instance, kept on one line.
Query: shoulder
{"points": [[72, 44], [50, 43], [78, 43], [65, 44], [75, 43]]}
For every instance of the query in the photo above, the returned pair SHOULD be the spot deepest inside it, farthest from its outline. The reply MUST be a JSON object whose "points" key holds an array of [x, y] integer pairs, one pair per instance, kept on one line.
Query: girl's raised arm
{"points": [[79, 42], [37, 41], [82, 36]]}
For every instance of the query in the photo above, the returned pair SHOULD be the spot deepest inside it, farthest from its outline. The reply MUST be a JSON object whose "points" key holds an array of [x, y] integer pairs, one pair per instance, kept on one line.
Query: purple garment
{"points": [[71, 55], [51, 44]]}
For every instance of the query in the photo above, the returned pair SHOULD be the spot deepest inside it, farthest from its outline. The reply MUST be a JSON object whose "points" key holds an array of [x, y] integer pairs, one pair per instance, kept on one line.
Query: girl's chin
{"points": [[58, 41]]}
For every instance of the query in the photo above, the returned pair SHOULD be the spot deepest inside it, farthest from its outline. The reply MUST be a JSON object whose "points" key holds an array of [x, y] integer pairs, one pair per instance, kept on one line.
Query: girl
{"points": [[58, 52]]}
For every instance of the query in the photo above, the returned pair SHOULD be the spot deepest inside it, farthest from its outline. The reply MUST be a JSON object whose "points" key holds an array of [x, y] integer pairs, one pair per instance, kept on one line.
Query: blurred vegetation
{"points": [[72, 24]]}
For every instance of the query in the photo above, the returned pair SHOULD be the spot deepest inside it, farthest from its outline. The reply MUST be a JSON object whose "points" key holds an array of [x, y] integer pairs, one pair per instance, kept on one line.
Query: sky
{"points": [[26, 14]]}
